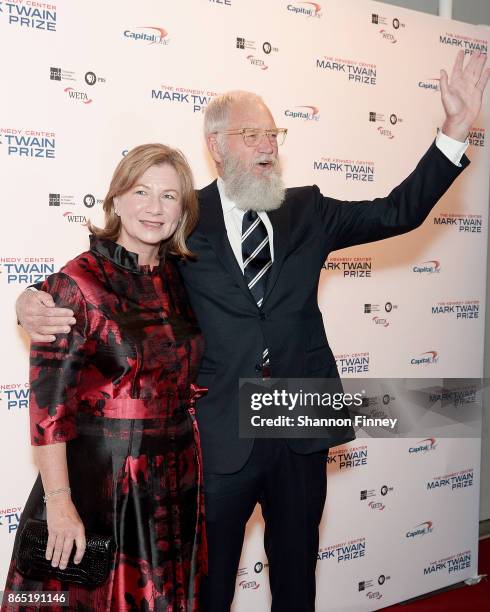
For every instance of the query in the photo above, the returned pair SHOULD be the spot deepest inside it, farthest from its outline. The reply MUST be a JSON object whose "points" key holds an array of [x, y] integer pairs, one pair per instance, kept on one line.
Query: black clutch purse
{"points": [[92, 570]]}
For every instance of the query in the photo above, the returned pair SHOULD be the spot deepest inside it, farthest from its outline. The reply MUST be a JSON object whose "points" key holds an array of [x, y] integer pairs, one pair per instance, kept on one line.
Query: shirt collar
{"points": [[227, 204]]}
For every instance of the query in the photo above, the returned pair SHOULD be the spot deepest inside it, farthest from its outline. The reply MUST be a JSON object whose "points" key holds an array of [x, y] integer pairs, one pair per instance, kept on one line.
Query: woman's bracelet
{"points": [[56, 492]]}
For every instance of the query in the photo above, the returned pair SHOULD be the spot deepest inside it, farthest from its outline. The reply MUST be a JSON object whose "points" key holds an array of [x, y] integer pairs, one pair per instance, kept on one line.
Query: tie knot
{"points": [[251, 215]]}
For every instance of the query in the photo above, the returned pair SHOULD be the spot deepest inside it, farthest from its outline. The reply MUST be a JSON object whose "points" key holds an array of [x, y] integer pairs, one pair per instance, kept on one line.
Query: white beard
{"points": [[249, 191]]}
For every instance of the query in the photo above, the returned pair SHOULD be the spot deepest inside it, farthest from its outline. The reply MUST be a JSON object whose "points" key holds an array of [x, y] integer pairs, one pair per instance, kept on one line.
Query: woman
{"points": [[110, 401]]}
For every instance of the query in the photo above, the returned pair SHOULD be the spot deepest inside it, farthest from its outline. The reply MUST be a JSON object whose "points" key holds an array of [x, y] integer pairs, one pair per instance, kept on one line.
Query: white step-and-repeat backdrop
{"points": [[356, 84]]}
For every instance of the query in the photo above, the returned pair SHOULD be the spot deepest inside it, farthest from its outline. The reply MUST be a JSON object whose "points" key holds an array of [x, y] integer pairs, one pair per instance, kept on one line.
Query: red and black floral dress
{"points": [[118, 390]]}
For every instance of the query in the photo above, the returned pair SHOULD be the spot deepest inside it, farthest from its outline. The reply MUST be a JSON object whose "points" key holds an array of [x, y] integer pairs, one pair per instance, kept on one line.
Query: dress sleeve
{"points": [[55, 369]]}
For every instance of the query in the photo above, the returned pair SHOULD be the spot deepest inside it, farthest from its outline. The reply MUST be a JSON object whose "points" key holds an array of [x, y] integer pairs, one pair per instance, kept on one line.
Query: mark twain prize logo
{"points": [[467, 43], [476, 137], [360, 73], [432, 266], [371, 586], [420, 530], [425, 359], [25, 270], [30, 14], [343, 551], [195, 99], [462, 309], [352, 170], [348, 458], [464, 223], [305, 9], [390, 27], [350, 267], [14, 397], [21, 142], [423, 446], [453, 481], [151, 35], [9, 518], [458, 397], [304, 113], [352, 363], [389, 121], [449, 565]]}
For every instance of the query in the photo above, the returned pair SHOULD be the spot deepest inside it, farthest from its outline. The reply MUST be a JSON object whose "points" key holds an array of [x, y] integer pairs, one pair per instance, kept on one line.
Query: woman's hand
{"points": [[64, 527]]}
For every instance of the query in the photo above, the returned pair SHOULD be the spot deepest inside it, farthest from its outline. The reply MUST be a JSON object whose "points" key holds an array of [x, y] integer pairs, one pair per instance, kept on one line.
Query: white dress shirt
{"points": [[233, 216]]}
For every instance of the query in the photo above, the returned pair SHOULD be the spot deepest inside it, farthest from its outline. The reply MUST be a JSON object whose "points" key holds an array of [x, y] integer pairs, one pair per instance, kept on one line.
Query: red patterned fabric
{"points": [[118, 390]]}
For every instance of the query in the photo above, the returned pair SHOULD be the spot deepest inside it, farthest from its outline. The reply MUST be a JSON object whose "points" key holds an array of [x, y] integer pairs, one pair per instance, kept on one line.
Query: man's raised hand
{"points": [[462, 94]]}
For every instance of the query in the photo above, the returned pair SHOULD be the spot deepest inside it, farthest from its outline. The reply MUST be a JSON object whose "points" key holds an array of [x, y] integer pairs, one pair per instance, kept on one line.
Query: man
{"points": [[260, 249]]}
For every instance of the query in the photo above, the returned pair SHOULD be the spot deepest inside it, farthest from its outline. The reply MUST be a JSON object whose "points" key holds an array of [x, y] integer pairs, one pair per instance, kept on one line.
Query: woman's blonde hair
{"points": [[126, 175]]}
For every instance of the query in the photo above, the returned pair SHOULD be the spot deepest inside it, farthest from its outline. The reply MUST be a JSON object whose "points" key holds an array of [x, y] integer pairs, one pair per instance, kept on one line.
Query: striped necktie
{"points": [[257, 260]]}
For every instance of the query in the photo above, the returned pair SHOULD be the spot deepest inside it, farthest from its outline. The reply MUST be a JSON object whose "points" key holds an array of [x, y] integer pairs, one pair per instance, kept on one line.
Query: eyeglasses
{"points": [[252, 137]]}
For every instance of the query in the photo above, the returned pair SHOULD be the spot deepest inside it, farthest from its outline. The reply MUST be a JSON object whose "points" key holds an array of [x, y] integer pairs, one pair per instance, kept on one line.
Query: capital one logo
{"points": [[421, 529], [308, 9], [427, 358]]}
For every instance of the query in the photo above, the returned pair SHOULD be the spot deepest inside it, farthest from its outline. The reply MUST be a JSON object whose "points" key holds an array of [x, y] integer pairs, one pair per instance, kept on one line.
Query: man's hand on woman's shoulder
{"points": [[41, 318]]}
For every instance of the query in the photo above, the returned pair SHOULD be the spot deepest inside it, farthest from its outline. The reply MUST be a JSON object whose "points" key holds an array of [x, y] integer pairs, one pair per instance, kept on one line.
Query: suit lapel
{"points": [[280, 224], [213, 227]]}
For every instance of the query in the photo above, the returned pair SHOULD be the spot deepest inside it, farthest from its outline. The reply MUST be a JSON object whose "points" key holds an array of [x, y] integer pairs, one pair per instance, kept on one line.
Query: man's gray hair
{"points": [[217, 111]]}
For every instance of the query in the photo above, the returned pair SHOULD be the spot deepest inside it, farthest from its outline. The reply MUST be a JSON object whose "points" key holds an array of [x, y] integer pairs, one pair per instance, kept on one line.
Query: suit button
{"points": [[262, 316], [258, 368]]}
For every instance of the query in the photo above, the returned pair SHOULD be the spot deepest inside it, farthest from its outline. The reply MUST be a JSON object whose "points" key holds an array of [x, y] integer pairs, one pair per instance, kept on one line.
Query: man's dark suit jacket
{"points": [[307, 227]]}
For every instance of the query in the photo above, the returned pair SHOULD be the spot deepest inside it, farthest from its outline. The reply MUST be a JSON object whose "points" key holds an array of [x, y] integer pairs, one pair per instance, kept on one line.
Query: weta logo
{"points": [[255, 61], [385, 132], [71, 218], [388, 36], [81, 96], [249, 584]]}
